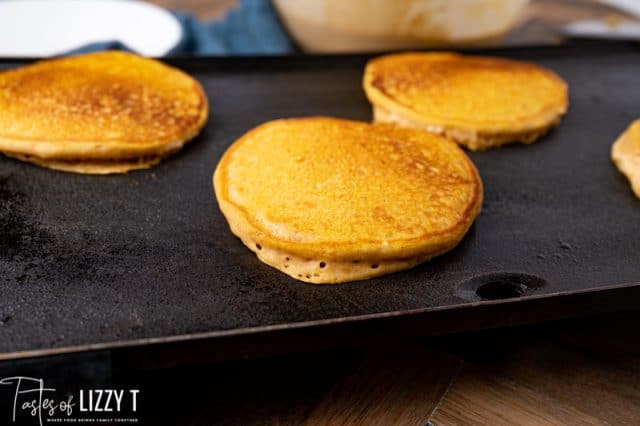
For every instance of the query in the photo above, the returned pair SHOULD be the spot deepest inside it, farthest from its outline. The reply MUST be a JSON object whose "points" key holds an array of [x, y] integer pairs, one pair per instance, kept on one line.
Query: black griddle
{"points": [[146, 260]]}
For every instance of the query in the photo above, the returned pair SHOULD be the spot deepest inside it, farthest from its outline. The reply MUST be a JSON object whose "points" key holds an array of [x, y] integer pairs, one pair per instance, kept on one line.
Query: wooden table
{"points": [[584, 371], [575, 372]]}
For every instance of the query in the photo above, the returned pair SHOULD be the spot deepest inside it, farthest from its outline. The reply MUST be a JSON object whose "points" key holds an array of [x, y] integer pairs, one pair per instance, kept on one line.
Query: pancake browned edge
{"points": [[479, 102], [328, 201], [93, 167], [625, 153], [99, 113]]}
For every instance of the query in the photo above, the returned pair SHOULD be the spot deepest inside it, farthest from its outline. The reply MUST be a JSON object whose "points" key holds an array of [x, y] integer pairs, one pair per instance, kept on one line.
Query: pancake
{"points": [[327, 200], [479, 102], [625, 153], [99, 113], [92, 167]]}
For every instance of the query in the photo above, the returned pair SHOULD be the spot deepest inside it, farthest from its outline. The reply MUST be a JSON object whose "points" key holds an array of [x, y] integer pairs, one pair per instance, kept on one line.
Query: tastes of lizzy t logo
{"points": [[31, 398]]}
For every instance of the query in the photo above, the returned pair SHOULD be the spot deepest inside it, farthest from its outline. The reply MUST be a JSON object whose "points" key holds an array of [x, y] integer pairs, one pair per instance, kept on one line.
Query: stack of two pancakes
{"points": [[327, 200]]}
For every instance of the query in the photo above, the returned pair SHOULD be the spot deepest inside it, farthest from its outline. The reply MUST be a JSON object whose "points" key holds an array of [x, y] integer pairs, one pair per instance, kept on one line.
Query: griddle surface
{"points": [[86, 259]]}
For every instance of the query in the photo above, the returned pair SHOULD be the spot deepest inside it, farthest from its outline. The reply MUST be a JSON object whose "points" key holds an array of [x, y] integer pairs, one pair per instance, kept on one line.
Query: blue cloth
{"points": [[253, 28]]}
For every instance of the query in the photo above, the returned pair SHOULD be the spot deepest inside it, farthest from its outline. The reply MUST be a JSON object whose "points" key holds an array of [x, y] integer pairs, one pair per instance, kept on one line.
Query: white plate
{"points": [[35, 28]]}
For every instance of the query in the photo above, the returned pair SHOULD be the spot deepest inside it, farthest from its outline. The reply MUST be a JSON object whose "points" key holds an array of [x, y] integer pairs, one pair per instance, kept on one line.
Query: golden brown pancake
{"points": [[479, 102], [327, 200], [99, 113], [626, 155], [92, 167]]}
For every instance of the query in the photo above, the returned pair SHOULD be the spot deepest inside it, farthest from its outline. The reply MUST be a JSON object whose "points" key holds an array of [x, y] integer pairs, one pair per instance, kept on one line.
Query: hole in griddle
{"points": [[499, 286], [494, 290]]}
